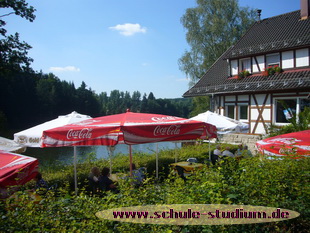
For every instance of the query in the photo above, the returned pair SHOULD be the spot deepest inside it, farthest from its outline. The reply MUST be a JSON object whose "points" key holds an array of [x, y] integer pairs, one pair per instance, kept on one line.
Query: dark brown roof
{"points": [[277, 33], [273, 34]]}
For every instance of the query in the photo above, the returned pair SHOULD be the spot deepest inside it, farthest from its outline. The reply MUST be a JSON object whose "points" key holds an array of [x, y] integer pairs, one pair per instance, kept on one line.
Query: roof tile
{"points": [[277, 33]]}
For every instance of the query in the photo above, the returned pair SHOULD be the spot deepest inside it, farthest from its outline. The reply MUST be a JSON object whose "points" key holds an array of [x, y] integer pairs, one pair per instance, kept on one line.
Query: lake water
{"points": [[65, 154]]}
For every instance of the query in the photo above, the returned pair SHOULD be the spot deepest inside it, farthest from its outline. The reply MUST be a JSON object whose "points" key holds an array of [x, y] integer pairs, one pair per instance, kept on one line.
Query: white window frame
{"points": [[226, 110], [247, 68], [302, 57], [288, 59], [286, 98], [234, 67], [274, 63]]}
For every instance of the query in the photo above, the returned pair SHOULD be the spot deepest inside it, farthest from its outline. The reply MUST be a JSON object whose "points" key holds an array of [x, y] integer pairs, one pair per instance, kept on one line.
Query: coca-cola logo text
{"points": [[167, 130], [79, 134]]}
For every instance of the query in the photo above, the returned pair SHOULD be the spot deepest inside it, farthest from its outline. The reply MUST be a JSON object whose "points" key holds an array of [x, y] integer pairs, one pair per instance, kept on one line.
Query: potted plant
{"points": [[271, 70], [243, 74], [265, 73], [278, 69]]}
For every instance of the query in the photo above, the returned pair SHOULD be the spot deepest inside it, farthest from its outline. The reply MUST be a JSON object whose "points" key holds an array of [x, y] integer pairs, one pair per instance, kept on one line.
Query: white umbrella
{"points": [[32, 137], [10, 145], [223, 124]]}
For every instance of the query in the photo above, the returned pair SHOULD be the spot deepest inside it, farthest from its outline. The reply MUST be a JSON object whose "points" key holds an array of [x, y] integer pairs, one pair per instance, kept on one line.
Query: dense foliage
{"points": [[250, 181], [29, 98], [212, 27]]}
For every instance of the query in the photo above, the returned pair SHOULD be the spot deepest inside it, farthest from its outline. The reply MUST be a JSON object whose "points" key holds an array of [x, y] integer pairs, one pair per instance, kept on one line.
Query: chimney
{"points": [[304, 9], [259, 11]]}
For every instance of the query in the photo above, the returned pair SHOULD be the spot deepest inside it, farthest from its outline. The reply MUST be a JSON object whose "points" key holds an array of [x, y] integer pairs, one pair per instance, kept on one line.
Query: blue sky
{"points": [[126, 45]]}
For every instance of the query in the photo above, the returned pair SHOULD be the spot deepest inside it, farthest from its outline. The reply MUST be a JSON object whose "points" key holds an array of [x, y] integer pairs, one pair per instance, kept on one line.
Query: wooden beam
{"points": [[260, 113]]}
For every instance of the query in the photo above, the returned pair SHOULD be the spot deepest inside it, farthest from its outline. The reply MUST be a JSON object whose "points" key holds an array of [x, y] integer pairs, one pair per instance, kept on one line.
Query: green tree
{"points": [[88, 101], [13, 52], [136, 99], [212, 27], [103, 102], [144, 107], [127, 102], [200, 104], [47, 89], [115, 102]]}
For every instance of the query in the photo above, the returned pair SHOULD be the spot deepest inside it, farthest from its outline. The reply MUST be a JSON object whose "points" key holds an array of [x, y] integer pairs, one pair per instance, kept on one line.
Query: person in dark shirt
{"points": [[40, 182], [105, 183], [93, 179], [41, 187], [137, 176]]}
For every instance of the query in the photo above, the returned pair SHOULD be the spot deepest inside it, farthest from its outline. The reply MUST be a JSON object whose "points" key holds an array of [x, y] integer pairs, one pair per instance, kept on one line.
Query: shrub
{"points": [[250, 181]]}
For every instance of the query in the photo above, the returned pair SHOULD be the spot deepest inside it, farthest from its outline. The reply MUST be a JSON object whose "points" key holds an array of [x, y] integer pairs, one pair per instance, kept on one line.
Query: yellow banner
{"points": [[197, 214]]}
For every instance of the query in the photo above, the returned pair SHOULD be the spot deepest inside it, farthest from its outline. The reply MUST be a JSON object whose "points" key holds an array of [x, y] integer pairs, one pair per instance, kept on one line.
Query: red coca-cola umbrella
{"points": [[295, 144], [129, 128], [15, 170]]}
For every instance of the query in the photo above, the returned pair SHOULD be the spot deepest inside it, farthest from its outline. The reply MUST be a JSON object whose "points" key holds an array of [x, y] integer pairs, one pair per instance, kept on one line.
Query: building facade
{"points": [[265, 77]]}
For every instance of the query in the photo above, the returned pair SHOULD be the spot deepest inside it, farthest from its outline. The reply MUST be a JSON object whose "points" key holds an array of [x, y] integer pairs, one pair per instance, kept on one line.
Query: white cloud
{"points": [[65, 69], [129, 29]]}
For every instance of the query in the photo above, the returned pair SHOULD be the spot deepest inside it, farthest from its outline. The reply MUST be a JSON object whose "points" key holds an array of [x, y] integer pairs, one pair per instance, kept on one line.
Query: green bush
{"points": [[250, 181]]}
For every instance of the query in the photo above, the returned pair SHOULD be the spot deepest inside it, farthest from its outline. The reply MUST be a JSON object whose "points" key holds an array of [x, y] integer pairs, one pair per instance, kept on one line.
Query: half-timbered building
{"points": [[265, 77]]}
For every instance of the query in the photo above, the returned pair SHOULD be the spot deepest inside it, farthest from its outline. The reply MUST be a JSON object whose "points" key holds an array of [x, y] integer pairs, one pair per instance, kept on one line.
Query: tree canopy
{"points": [[212, 27], [13, 52]]}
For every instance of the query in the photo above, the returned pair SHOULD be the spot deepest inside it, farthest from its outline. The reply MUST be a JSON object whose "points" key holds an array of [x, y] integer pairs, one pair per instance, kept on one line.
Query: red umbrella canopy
{"points": [[130, 128], [16, 169], [293, 144]]}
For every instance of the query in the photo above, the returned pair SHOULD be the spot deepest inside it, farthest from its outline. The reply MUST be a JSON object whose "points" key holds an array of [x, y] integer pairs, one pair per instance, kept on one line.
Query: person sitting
{"points": [[246, 152], [137, 176], [180, 170], [238, 152], [105, 183], [227, 153], [93, 179], [216, 154], [143, 172], [41, 186]]}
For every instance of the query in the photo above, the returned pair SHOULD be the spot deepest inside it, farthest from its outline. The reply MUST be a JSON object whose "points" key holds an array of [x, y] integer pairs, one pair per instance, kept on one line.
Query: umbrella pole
{"points": [[75, 175], [175, 153], [111, 152], [130, 160], [209, 150], [156, 160]]}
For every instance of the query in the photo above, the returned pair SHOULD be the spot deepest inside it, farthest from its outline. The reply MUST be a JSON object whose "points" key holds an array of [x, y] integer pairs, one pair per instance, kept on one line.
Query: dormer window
{"points": [[273, 59], [245, 64], [234, 67]]}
